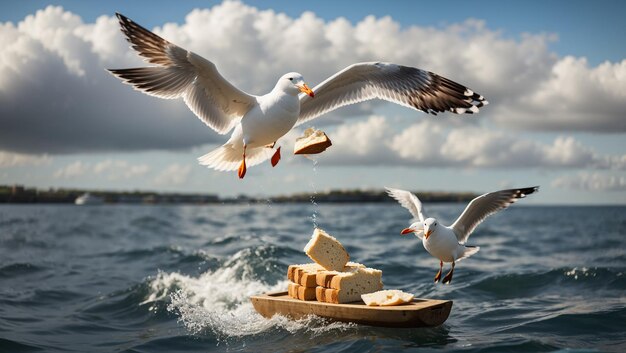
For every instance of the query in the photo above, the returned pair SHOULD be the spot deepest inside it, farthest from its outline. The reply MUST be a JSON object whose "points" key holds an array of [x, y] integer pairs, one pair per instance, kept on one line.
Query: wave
{"points": [[171, 251], [218, 301], [19, 269], [17, 221], [153, 223], [7, 345], [514, 285]]}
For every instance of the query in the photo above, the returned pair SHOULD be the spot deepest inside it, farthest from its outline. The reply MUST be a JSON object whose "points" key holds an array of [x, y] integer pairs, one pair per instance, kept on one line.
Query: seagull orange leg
{"points": [[242, 166], [448, 277], [276, 157], [438, 276]]}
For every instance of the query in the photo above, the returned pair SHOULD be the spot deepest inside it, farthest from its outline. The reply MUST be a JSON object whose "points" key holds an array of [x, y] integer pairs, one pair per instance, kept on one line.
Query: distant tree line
{"points": [[21, 194]]}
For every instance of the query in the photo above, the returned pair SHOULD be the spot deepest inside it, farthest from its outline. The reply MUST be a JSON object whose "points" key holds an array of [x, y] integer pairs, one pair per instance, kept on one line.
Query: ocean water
{"points": [[122, 278]]}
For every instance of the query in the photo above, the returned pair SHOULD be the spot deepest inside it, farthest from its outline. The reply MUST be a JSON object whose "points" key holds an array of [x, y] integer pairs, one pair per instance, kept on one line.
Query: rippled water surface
{"points": [[177, 278]]}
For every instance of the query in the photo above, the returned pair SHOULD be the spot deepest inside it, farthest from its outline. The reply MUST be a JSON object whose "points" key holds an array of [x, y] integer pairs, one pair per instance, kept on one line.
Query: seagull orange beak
{"points": [[305, 89], [427, 234], [406, 231]]}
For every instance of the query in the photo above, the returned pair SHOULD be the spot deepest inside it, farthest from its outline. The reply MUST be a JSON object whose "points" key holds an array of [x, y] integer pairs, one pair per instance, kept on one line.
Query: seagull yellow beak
{"points": [[305, 89], [406, 231], [427, 234]]}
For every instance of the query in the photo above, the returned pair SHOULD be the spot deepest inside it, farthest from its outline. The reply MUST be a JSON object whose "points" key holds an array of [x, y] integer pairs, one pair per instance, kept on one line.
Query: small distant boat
{"points": [[418, 313], [88, 199]]}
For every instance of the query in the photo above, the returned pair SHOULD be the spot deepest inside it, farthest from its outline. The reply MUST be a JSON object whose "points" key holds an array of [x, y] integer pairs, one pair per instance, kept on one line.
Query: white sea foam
{"points": [[218, 301]]}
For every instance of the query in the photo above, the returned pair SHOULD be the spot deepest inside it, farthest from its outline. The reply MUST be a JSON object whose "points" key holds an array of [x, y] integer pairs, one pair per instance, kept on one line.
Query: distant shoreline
{"points": [[17, 194]]}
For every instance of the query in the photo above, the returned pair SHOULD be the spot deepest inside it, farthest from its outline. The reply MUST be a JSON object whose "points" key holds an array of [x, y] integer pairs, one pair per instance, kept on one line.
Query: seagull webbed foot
{"points": [[448, 278], [276, 157], [242, 169], [438, 275]]}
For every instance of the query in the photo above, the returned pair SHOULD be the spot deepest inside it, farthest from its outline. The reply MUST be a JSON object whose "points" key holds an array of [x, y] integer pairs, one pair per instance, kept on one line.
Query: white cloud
{"points": [[420, 141], [73, 170], [9, 159], [56, 97], [430, 143], [118, 169], [174, 174], [573, 97], [359, 141], [591, 182], [290, 178], [109, 169]]}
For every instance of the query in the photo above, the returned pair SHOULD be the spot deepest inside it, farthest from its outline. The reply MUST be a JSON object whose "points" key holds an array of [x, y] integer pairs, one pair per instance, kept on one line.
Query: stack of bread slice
{"points": [[331, 279], [303, 279]]}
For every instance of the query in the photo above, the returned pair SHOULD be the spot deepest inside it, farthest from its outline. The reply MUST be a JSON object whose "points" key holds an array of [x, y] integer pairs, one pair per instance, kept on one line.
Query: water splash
{"points": [[218, 302]]}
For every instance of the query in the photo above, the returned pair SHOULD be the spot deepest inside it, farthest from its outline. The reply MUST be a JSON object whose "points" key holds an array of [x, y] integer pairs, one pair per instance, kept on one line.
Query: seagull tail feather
{"points": [[468, 251], [228, 157]]}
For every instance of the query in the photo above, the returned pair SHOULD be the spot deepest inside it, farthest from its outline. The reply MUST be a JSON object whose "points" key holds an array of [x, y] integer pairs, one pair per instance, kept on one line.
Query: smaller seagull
{"points": [[447, 243]]}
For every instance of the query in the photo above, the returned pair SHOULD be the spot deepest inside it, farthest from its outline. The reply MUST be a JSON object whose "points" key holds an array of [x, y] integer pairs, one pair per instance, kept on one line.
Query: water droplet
{"points": [[313, 193]]}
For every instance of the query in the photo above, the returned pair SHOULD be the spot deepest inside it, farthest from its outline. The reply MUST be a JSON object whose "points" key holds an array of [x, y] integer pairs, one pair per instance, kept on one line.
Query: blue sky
{"points": [[553, 71], [585, 28]]}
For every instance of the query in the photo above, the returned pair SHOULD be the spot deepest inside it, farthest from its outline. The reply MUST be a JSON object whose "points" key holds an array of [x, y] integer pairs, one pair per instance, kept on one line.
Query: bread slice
{"points": [[336, 296], [306, 277], [388, 297], [299, 292], [306, 274], [324, 278], [346, 287], [327, 251], [320, 294], [297, 270], [312, 142], [360, 278]]}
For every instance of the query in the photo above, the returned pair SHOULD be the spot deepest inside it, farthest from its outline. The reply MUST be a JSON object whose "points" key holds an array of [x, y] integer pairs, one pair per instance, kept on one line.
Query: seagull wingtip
{"points": [[389, 190]]}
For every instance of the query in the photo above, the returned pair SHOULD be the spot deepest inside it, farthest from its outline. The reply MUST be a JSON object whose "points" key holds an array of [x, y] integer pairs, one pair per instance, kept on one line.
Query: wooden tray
{"points": [[419, 313]]}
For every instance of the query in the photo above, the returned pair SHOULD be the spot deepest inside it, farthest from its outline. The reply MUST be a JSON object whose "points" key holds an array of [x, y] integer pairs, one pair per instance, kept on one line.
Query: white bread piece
{"points": [[387, 297], [320, 294], [312, 142], [306, 275], [299, 292], [338, 296], [359, 277], [346, 287], [327, 251], [295, 272], [362, 280], [290, 289], [305, 278], [323, 278]]}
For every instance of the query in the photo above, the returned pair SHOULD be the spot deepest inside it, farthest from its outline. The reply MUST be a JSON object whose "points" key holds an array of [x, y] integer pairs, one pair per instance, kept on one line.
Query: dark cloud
{"points": [[56, 111]]}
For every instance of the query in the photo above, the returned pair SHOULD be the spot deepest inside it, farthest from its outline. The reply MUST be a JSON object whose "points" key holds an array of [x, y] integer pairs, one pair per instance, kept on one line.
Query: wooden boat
{"points": [[419, 313]]}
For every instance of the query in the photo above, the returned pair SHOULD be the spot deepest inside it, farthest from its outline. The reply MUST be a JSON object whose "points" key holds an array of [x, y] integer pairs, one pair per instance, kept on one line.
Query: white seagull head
{"points": [[416, 228], [293, 83], [428, 227]]}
